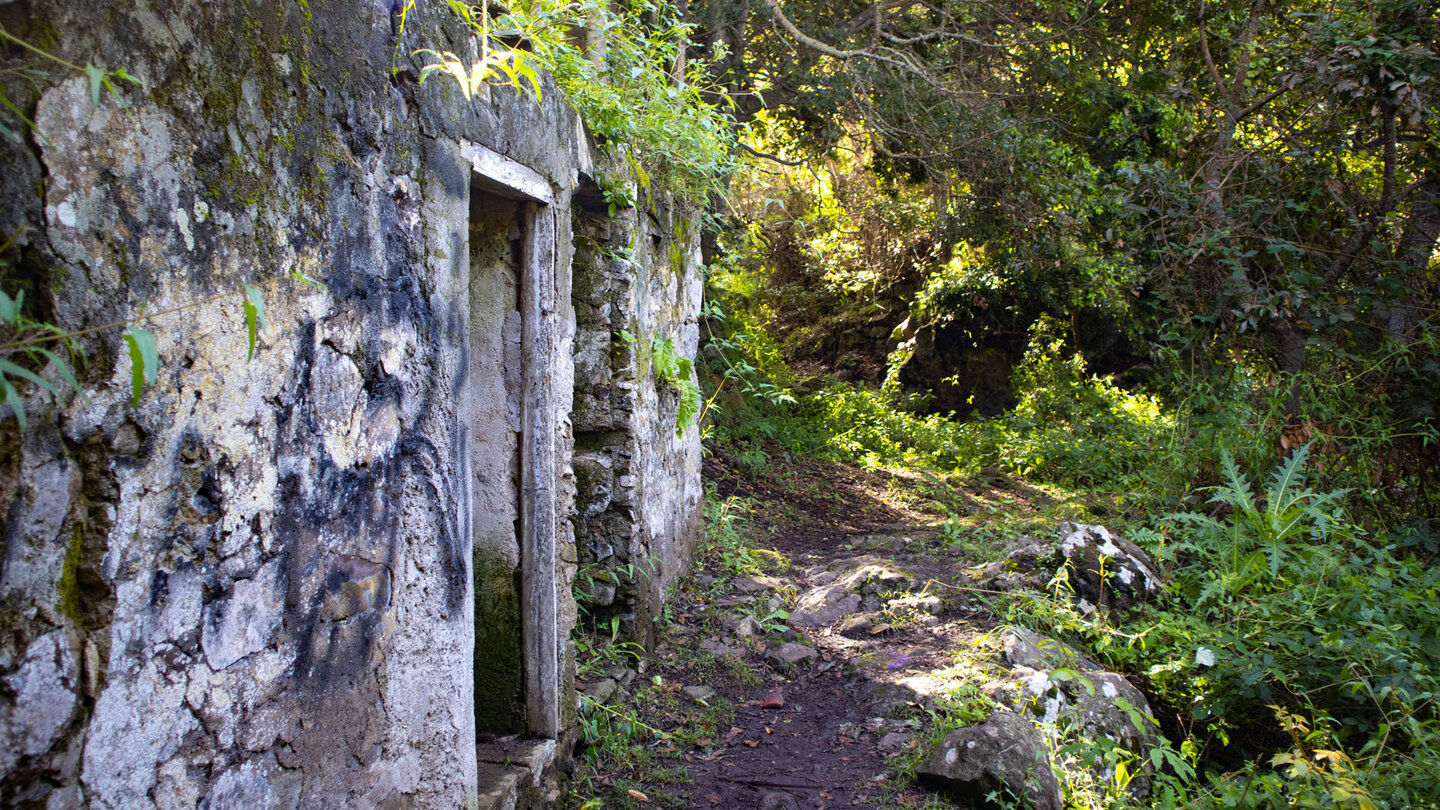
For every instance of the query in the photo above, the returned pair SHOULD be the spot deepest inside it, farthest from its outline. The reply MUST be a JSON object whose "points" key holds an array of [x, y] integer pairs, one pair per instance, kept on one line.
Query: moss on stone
{"points": [[68, 603], [499, 657]]}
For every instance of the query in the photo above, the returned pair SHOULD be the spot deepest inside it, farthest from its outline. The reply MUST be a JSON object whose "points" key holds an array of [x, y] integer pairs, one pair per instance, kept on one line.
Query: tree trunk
{"points": [[1412, 256]]}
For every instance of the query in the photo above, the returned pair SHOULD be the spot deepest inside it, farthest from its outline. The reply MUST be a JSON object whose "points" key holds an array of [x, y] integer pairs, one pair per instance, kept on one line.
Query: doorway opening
{"points": [[510, 423]]}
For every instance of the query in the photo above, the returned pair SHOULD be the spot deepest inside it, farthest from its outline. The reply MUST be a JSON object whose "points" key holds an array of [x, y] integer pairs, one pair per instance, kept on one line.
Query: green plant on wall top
{"points": [[27, 345], [638, 91], [670, 367], [495, 60]]}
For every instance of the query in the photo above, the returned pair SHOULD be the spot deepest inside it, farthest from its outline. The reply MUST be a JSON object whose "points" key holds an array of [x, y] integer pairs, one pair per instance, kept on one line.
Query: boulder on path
{"points": [[698, 692], [1005, 753], [756, 584], [824, 605], [1026, 648], [720, 649], [876, 576], [776, 800], [745, 627], [1106, 570], [1055, 685], [929, 603]]}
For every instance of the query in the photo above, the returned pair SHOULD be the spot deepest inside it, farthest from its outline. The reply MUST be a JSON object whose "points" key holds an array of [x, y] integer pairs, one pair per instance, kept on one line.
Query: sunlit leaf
{"points": [[254, 316], [144, 361], [97, 79]]}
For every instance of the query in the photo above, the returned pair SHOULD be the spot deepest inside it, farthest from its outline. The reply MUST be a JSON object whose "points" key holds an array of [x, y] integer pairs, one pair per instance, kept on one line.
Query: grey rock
{"points": [[875, 577], [1003, 753], [890, 699], [755, 584], [824, 605], [790, 653], [246, 620], [930, 604], [1027, 567], [602, 593], [856, 626], [602, 691], [776, 800], [747, 627], [1026, 648], [622, 674], [894, 741], [46, 693], [720, 649], [698, 692], [1095, 702]]}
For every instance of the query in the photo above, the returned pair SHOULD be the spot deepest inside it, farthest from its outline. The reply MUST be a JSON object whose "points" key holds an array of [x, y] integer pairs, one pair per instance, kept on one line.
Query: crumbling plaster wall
{"points": [[253, 589], [637, 283]]}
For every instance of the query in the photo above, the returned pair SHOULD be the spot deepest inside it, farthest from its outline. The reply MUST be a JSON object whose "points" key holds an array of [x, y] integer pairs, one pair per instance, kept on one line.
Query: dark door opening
{"points": [[495, 405]]}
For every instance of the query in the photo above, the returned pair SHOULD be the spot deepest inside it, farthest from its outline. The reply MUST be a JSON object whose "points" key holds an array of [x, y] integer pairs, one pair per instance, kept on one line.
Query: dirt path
{"points": [[805, 716], [842, 622]]}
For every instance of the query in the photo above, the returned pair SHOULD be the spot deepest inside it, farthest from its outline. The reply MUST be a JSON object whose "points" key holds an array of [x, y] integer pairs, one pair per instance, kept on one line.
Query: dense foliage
{"points": [[1141, 253], [1198, 190]]}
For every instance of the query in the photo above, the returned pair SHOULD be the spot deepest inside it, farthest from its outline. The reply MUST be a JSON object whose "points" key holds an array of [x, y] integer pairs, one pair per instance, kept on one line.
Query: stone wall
{"points": [[638, 477], [258, 587]]}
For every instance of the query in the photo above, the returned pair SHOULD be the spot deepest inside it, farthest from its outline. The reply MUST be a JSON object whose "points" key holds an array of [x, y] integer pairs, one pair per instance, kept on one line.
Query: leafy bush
{"points": [[1072, 428], [1280, 600], [1067, 427]]}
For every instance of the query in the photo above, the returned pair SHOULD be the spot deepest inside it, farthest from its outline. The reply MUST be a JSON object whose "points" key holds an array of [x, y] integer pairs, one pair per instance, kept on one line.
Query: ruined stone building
{"points": [[339, 573]]}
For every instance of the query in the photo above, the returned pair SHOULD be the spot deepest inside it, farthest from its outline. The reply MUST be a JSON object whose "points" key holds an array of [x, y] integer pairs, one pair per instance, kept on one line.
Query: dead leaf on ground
{"points": [[637, 795]]}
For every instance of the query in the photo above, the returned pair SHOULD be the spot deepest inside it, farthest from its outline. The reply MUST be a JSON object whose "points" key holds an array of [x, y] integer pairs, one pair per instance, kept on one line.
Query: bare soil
{"points": [[807, 736]]}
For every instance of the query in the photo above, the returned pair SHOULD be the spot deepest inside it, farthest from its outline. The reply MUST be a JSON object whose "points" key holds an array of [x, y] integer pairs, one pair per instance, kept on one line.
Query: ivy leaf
{"points": [[298, 276], [64, 370], [120, 73], [524, 69], [254, 316], [10, 307], [144, 361], [97, 78], [13, 400], [7, 367]]}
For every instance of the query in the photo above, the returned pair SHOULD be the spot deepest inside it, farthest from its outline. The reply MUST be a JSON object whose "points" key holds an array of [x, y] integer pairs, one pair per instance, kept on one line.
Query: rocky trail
{"points": [[818, 683]]}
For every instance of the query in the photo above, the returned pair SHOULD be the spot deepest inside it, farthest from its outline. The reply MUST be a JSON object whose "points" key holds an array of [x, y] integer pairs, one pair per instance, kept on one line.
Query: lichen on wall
{"points": [[257, 588]]}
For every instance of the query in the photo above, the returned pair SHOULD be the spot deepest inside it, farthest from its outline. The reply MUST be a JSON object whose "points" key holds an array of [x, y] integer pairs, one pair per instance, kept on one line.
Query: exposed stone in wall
{"points": [[258, 587], [637, 282]]}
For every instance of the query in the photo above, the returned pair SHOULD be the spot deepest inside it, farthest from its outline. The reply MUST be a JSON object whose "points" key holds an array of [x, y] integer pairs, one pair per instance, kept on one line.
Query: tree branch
{"points": [[806, 40], [770, 157]]}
